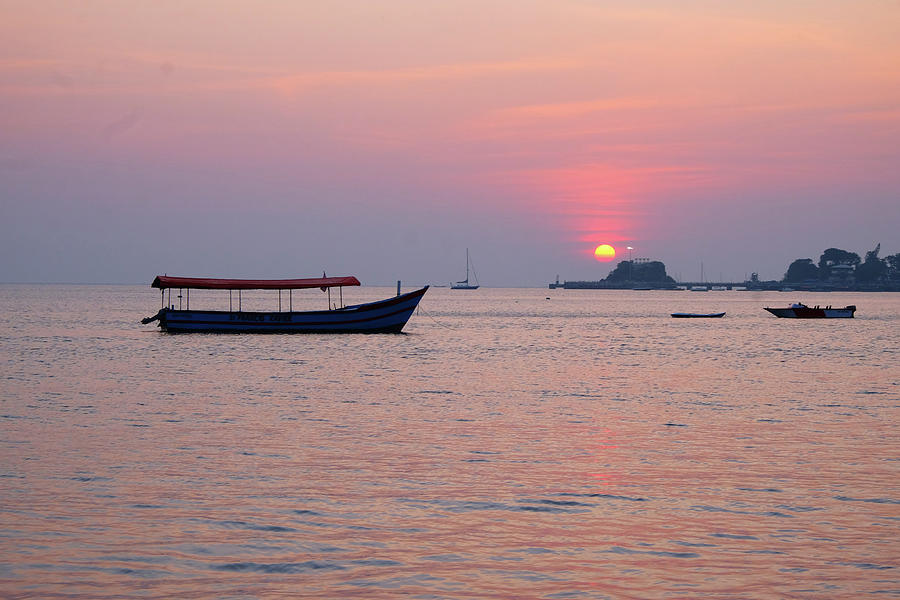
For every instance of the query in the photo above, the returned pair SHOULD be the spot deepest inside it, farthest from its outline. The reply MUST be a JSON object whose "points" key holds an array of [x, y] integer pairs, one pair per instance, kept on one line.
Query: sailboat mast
{"points": [[467, 265]]}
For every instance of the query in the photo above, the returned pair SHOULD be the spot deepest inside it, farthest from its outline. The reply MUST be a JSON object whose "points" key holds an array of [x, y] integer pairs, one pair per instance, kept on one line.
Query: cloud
{"points": [[293, 83], [122, 124]]}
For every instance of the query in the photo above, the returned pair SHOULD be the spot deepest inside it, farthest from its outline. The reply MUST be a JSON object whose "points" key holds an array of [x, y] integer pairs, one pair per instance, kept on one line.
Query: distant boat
{"points": [[699, 288], [464, 284], [681, 315], [798, 310], [383, 316]]}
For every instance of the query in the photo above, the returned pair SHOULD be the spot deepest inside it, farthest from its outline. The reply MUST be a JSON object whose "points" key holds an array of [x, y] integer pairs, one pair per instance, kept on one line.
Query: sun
{"points": [[604, 253]]}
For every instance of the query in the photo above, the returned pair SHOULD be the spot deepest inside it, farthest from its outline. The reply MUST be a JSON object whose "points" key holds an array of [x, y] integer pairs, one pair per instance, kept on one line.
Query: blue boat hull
{"points": [[383, 316]]}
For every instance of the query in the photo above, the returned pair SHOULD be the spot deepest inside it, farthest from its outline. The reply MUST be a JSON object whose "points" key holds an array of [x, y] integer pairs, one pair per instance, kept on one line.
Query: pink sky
{"points": [[383, 138]]}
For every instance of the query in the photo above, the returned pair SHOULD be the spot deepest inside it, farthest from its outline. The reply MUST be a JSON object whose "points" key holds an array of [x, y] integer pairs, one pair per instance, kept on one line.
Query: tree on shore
{"points": [[872, 269], [801, 269], [892, 264], [652, 271], [836, 256]]}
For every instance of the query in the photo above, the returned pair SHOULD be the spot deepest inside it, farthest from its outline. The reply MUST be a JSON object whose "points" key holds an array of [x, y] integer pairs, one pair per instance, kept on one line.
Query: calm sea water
{"points": [[514, 443]]}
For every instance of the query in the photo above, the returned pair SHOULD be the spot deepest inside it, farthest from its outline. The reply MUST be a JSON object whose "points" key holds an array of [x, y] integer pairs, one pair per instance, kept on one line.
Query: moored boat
{"points": [[464, 284], [681, 315], [798, 310], [382, 316]]}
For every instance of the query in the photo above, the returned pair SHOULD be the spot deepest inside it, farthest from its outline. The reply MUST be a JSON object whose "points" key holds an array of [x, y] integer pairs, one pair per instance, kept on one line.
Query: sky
{"points": [[286, 138]]}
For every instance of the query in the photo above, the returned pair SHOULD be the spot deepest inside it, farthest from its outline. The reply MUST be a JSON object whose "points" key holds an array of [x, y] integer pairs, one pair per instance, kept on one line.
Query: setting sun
{"points": [[604, 253]]}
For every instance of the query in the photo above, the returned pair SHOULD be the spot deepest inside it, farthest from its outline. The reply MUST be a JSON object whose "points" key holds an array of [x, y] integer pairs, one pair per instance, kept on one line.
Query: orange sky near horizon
{"points": [[591, 122]]}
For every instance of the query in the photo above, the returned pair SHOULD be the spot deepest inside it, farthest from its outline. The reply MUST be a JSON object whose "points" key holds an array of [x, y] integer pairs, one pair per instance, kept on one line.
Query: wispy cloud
{"points": [[121, 124], [565, 110], [140, 73], [294, 82]]}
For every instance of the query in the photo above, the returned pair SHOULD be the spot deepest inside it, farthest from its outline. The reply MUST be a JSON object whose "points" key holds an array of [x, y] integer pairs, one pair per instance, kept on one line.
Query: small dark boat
{"points": [[680, 315], [798, 310], [383, 316]]}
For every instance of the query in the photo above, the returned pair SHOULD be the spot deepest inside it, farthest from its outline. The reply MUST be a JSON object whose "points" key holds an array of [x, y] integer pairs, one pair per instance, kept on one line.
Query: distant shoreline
{"points": [[759, 286]]}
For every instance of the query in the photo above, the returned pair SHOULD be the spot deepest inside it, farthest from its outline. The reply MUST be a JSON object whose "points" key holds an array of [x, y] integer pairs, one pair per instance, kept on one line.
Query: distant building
{"points": [[841, 274]]}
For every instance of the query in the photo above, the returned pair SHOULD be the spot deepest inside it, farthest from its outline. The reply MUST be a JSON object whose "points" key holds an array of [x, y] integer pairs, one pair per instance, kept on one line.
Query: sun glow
{"points": [[604, 253]]}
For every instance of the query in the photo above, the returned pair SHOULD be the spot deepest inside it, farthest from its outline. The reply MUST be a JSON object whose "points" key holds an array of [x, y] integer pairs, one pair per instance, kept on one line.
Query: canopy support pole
{"points": [[229, 302], [279, 300], [291, 300]]}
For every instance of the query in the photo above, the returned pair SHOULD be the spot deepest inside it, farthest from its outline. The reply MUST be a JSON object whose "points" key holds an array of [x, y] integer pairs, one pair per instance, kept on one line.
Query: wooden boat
{"points": [[798, 310], [680, 315], [464, 284], [383, 316]]}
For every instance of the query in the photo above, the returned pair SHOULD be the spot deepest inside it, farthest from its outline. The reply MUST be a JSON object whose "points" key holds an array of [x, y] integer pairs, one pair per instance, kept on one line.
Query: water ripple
{"points": [[621, 550], [871, 500], [279, 568], [252, 526], [741, 512], [606, 496]]}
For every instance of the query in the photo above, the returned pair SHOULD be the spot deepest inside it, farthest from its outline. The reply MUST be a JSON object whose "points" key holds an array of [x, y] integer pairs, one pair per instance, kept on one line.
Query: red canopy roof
{"points": [[199, 283]]}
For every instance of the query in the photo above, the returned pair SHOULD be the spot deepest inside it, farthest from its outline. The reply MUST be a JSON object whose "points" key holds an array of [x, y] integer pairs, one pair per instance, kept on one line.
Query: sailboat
{"points": [[464, 284]]}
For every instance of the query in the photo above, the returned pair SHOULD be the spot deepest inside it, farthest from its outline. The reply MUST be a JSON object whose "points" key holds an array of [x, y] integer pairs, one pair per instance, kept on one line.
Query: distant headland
{"points": [[837, 270]]}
